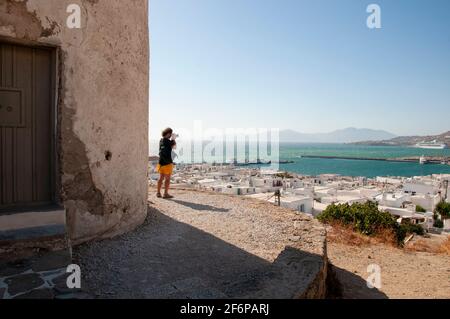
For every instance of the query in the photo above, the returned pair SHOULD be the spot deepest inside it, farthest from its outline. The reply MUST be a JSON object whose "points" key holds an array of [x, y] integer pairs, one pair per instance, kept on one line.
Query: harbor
{"points": [[414, 159]]}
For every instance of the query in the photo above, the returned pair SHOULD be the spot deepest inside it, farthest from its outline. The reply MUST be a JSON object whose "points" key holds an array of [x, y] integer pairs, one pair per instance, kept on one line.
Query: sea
{"points": [[293, 152], [354, 167]]}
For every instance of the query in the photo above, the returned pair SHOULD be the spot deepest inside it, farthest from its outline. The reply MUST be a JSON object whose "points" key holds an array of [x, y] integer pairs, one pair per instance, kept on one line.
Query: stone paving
{"points": [[42, 276]]}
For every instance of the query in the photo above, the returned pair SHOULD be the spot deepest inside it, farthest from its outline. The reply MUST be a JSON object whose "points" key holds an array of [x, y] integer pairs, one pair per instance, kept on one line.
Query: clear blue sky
{"points": [[308, 65]]}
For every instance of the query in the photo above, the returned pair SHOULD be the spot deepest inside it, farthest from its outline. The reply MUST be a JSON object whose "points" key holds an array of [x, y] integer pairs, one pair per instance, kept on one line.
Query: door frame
{"points": [[55, 177]]}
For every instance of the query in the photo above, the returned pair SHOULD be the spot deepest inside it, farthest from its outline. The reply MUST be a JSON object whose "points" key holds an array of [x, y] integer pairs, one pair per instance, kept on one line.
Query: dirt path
{"points": [[403, 274], [202, 245]]}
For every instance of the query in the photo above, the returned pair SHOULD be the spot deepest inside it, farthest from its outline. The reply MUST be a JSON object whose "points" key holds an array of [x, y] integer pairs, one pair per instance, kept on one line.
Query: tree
{"points": [[438, 223], [443, 209]]}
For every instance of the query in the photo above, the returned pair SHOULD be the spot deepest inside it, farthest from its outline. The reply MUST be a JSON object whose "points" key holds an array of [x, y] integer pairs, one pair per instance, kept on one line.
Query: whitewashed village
{"points": [[410, 200]]}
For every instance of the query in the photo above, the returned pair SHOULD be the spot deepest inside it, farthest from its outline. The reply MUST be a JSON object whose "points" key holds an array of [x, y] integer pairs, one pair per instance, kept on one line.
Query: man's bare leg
{"points": [[160, 182], [166, 187]]}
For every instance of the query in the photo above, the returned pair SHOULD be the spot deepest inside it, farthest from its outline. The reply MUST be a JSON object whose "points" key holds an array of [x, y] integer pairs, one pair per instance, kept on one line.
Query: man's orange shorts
{"points": [[165, 170]]}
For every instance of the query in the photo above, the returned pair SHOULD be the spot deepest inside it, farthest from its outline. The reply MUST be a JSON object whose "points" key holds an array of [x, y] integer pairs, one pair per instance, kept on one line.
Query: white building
{"points": [[303, 204], [406, 215], [427, 201], [298, 203], [397, 200], [389, 180], [421, 187]]}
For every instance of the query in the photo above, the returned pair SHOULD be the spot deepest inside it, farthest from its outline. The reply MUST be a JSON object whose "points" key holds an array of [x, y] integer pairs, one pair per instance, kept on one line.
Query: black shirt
{"points": [[165, 151]]}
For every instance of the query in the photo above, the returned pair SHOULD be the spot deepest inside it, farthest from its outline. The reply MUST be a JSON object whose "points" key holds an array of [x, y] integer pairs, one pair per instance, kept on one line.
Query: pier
{"points": [[429, 160]]}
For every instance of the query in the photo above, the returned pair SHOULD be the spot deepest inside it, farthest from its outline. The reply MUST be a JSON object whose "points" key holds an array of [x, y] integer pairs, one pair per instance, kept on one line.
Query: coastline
{"points": [[415, 159]]}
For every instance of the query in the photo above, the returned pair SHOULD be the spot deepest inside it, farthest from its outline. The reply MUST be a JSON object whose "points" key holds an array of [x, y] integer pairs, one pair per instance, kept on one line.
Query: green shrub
{"points": [[420, 209], [366, 219], [412, 229]]}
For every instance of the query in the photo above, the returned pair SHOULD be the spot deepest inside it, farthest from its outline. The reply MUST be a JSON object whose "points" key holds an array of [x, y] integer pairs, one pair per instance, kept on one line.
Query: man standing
{"points": [[165, 165]]}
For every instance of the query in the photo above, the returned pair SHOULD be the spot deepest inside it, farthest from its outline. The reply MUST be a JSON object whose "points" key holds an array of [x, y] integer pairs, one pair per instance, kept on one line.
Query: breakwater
{"points": [[415, 159]]}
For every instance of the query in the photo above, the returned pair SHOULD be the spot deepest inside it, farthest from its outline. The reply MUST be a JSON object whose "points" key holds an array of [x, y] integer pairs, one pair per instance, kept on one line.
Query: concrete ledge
{"points": [[33, 233], [32, 219]]}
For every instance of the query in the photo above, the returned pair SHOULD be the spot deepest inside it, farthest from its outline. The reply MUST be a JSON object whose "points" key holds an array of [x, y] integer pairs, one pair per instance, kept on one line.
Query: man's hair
{"points": [[167, 131]]}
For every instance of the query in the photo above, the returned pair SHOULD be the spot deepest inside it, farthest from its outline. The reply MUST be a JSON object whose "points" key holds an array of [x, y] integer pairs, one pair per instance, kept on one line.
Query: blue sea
{"points": [[312, 166]]}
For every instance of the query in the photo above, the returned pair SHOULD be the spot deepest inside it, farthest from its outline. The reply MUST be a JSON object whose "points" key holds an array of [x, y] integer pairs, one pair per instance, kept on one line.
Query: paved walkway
{"points": [[42, 276], [202, 245]]}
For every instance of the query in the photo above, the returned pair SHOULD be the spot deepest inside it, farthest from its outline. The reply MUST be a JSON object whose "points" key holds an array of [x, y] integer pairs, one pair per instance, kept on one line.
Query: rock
{"points": [[74, 295], [60, 286], [23, 283], [17, 267], [60, 283], [51, 261], [37, 294]]}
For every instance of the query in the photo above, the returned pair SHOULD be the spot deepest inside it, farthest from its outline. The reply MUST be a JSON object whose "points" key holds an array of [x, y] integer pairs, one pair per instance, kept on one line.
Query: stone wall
{"points": [[102, 106]]}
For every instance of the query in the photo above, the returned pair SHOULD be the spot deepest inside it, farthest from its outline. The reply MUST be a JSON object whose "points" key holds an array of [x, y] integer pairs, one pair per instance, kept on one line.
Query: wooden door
{"points": [[27, 122]]}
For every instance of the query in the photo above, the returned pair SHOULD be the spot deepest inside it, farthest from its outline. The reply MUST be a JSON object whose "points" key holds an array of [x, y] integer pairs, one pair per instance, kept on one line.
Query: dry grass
{"points": [[430, 246], [344, 234], [423, 245], [445, 247]]}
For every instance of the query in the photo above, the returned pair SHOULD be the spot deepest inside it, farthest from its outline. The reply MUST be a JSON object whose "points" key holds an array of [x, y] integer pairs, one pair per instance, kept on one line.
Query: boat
{"points": [[432, 145], [423, 160]]}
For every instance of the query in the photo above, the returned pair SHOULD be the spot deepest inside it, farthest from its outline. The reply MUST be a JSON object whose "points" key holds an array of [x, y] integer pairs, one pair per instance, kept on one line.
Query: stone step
{"points": [[34, 254], [26, 233]]}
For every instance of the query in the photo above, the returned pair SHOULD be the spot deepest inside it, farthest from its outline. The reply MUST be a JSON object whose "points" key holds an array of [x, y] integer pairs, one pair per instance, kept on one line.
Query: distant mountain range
{"points": [[409, 140], [348, 135]]}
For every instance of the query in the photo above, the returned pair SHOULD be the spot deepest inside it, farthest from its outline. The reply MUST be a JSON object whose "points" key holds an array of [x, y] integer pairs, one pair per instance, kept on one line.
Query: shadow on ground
{"points": [[200, 207], [165, 258], [346, 285]]}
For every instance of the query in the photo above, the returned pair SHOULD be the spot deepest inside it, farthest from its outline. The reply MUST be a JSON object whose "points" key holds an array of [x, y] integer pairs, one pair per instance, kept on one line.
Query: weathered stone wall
{"points": [[102, 106]]}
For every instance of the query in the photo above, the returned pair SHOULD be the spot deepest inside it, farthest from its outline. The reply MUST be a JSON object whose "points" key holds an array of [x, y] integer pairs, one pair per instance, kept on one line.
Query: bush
{"points": [[284, 175], [364, 218], [412, 229], [420, 209]]}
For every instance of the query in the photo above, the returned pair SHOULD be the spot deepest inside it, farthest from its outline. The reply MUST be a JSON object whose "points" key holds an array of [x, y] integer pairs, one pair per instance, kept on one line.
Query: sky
{"points": [[308, 65]]}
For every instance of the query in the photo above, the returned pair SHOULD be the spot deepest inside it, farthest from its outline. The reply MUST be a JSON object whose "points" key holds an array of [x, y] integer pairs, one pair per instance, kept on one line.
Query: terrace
{"points": [[207, 245]]}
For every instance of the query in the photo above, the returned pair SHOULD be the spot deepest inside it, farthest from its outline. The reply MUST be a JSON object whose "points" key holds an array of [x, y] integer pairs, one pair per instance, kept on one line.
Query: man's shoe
{"points": [[167, 196], [158, 195]]}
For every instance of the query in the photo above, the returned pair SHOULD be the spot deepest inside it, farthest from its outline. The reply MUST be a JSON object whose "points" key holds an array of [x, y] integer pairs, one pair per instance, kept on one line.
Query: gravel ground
{"points": [[202, 245], [403, 274]]}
